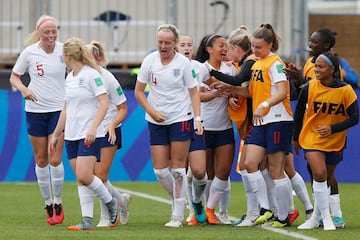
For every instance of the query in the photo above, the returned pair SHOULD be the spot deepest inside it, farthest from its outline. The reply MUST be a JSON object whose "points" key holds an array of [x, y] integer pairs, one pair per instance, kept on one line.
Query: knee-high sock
{"points": [[321, 195], [298, 184], [199, 187], [282, 194], [258, 186], [190, 194], [114, 192], [217, 189], [86, 197], [251, 200], [43, 179], [57, 180], [225, 200], [207, 190], [179, 191], [291, 207], [166, 180], [335, 205], [270, 190], [99, 190]]}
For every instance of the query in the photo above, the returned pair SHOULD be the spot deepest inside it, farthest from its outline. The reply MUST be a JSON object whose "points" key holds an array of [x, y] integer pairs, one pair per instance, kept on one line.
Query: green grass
{"points": [[22, 217]]}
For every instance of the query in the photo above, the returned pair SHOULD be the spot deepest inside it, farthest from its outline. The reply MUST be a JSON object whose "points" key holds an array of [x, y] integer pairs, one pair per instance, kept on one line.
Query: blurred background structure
{"points": [[127, 27]]}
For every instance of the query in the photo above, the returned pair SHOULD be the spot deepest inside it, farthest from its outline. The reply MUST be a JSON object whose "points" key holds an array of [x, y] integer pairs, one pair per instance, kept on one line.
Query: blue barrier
{"points": [[133, 161]]}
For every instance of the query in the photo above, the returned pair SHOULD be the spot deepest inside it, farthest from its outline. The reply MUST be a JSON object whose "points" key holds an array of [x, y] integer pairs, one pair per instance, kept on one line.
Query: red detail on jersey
{"points": [[40, 70]]}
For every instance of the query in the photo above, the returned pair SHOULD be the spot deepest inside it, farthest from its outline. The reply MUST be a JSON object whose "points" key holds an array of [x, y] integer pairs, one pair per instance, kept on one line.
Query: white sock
{"points": [[217, 189], [321, 195], [104, 212], [251, 200], [207, 190], [179, 188], [43, 179], [166, 180], [189, 178], [298, 184], [225, 200], [199, 187], [57, 179], [86, 197], [258, 186], [291, 208], [270, 185], [335, 205], [179, 207], [282, 194], [114, 192], [99, 190]]}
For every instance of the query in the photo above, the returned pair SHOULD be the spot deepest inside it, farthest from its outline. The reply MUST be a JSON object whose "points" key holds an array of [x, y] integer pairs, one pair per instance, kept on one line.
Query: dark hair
{"points": [[327, 36], [208, 41], [266, 32]]}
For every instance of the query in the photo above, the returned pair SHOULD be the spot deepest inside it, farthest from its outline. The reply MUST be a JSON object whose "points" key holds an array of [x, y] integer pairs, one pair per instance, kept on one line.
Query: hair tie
{"points": [[44, 21], [326, 59], [209, 39]]}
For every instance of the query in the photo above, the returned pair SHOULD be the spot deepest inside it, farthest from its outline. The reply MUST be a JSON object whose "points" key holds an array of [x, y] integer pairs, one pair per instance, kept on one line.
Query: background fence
{"points": [[128, 29]]}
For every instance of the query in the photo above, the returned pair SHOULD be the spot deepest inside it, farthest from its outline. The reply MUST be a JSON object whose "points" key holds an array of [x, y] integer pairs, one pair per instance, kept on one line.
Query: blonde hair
{"points": [[75, 48], [98, 51], [35, 35], [240, 37], [169, 28]]}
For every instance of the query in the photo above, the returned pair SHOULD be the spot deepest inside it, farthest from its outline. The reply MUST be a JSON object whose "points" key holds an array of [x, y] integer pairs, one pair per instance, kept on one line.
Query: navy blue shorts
{"points": [[77, 148], [118, 142], [198, 143], [332, 158], [274, 137], [164, 134], [214, 139], [41, 124]]}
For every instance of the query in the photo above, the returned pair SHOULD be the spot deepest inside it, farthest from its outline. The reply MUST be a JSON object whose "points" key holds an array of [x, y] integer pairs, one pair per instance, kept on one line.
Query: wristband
{"points": [[198, 119], [265, 104]]}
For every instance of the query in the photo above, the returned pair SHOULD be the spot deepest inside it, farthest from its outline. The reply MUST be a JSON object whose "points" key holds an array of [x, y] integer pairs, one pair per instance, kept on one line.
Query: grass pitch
{"points": [[22, 216]]}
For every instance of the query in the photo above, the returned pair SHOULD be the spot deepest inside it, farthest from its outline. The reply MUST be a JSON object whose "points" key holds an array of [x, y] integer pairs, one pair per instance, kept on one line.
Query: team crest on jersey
{"points": [[119, 91], [176, 72], [81, 82], [61, 58], [98, 82]]}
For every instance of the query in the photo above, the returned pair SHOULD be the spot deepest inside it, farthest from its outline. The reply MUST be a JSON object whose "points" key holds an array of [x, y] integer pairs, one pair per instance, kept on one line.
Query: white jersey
{"points": [[169, 86], [200, 72], [115, 94], [81, 103], [277, 112], [47, 77], [215, 112]]}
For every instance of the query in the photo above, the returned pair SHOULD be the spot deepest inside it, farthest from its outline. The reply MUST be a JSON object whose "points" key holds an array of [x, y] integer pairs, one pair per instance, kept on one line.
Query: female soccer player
{"points": [[86, 103], [44, 98], [172, 101], [326, 108]]}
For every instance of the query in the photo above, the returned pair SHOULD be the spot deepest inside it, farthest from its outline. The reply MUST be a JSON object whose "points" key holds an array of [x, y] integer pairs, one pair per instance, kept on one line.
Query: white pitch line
{"points": [[166, 201]]}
